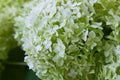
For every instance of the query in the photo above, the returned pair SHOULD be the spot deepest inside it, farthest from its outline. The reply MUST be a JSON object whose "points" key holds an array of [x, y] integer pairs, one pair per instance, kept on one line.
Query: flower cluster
{"points": [[71, 39]]}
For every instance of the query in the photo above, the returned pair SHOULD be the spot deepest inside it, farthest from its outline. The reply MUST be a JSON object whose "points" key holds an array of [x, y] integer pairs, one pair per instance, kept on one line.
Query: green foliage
{"points": [[71, 39]]}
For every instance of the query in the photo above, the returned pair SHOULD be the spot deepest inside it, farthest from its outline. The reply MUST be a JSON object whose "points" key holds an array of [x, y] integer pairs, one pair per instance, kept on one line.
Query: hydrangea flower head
{"points": [[71, 39]]}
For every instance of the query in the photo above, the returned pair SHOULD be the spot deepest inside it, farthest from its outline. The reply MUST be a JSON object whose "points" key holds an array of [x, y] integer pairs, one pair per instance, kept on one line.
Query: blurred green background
{"points": [[15, 68]]}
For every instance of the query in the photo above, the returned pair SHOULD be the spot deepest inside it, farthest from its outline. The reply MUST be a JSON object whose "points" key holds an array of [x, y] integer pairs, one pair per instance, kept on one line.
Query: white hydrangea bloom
{"points": [[71, 39]]}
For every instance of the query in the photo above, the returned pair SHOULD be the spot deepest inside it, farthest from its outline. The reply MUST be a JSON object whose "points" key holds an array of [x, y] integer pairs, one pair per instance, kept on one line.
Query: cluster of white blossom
{"points": [[71, 39]]}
